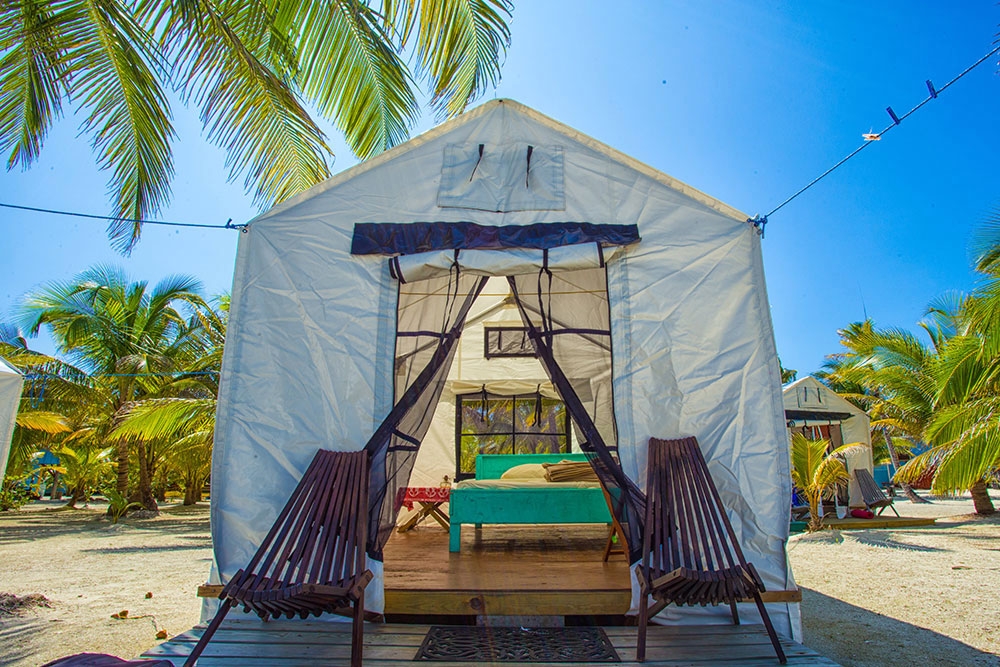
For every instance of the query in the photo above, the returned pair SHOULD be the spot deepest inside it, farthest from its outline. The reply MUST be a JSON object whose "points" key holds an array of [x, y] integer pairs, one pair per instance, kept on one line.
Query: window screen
{"points": [[508, 342], [525, 424]]}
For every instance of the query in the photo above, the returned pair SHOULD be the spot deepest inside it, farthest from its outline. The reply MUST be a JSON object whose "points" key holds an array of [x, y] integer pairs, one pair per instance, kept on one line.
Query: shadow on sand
{"points": [[58, 520], [856, 637], [16, 636]]}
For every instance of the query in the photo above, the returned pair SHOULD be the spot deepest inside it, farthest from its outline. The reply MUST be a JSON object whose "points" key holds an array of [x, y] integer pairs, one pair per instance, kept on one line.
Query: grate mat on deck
{"points": [[513, 645]]}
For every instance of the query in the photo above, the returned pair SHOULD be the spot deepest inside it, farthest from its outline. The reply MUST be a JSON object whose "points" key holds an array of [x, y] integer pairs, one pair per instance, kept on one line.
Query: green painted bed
{"points": [[539, 503]]}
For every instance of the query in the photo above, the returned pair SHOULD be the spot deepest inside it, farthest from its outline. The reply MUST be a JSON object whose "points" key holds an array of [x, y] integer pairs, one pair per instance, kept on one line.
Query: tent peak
{"points": [[507, 106]]}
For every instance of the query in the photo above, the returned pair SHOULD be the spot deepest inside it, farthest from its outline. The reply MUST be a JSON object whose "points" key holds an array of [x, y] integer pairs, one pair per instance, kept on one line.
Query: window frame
{"points": [[488, 329], [514, 433]]}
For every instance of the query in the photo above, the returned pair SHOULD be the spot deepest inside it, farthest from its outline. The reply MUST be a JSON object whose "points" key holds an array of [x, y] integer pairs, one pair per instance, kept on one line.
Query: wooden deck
{"points": [[247, 642], [511, 571], [891, 521], [507, 571]]}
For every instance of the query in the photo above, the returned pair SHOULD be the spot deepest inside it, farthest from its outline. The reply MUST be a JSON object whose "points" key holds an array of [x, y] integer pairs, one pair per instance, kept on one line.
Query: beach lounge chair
{"points": [[874, 497], [313, 559], [690, 552]]}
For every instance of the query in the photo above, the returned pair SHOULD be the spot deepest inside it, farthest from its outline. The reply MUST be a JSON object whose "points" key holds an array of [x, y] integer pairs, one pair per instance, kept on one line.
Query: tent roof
{"points": [[836, 406], [7, 369], [482, 111]]}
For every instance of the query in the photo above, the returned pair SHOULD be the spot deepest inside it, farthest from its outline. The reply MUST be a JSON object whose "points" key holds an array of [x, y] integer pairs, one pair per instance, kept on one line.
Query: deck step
{"points": [[246, 641]]}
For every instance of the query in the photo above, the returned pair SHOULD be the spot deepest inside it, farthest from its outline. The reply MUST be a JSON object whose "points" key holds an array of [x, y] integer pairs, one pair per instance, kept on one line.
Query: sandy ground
{"points": [[918, 596], [911, 596], [90, 569]]}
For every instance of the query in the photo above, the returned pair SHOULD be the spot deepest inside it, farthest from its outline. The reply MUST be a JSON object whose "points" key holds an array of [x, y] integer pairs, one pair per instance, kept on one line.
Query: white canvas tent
{"points": [[813, 405], [11, 383], [671, 332]]}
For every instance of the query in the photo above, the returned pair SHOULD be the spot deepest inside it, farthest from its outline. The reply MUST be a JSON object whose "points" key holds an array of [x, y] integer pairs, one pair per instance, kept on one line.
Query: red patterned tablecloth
{"points": [[422, 494]]}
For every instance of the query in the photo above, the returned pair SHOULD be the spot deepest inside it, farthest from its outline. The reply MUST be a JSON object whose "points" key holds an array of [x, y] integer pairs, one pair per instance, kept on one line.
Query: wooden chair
{"points": [[617, 542], [690, 552], [873, 496], [313, 559]]}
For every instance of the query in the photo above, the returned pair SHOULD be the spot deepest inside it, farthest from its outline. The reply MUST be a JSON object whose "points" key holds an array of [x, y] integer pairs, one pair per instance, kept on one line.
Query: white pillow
{"points": [[525, 471]]}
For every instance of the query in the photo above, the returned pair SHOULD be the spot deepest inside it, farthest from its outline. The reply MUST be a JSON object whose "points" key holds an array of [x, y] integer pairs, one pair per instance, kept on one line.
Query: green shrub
{"points": [[13, 497]]}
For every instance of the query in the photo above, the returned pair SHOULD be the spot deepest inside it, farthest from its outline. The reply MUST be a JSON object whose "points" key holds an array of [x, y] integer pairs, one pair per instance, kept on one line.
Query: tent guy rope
{"points": [[229, 223], [760, 221]]}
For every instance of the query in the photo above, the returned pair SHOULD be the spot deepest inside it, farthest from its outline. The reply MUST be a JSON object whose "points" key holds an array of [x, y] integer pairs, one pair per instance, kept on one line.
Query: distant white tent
{"points": [[11, 383], [644, 296], [818, 411]]}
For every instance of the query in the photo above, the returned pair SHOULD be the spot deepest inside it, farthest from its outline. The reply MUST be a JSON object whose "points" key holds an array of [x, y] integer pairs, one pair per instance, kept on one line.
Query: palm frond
{"points": [[128, 113], [460, 45], [351, 72], [968, 461], [155, 419], [985, 245], [945, 317], [830, 473], [34, 73], [40, 420], [807, 455], [270, 139]]}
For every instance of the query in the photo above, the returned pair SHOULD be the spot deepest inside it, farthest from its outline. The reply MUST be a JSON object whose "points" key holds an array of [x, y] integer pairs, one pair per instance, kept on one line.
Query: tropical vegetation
{"points": [[941, 400], [262, 74], [818, 472], [129, 408]]}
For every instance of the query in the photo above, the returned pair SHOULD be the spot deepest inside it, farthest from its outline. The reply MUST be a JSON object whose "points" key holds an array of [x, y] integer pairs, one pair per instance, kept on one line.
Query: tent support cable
{"points": [[759, 222]]}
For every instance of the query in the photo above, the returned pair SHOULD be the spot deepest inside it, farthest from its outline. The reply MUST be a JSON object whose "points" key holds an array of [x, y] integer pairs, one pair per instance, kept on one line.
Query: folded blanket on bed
{"points": [[570, 471]]}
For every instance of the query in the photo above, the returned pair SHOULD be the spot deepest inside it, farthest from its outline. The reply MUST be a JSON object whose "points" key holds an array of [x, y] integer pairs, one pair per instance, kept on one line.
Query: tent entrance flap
{"points": [[568, 321], [567, 318], [430, 317]]}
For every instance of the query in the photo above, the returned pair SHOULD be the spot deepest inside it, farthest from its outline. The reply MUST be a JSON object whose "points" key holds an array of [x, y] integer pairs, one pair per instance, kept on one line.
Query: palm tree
{"points": [[965, 431], [251, 68], [126, 337], [816, 472], [84, 468], [181, 417], [889, 374], [185, 427], [787, 374]]}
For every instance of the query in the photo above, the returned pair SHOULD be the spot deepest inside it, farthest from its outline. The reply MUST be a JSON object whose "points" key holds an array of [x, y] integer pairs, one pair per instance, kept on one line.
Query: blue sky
{"points": [[746, 101]]}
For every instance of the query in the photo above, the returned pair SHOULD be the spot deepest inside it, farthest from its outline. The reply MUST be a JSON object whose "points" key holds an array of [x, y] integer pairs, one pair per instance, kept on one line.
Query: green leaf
{"points": [[221, 52], [350, 70], [460, 45], [33, 76], [128, 114]]}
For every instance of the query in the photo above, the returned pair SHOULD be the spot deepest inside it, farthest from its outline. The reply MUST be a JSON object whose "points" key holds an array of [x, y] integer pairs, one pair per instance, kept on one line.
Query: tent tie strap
{"points": [[474, 169], [527, 170]]}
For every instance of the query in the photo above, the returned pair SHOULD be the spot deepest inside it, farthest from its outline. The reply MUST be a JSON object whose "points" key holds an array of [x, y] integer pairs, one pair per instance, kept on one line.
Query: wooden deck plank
{"points": [[851, 523], [307, 643], [508, 571]]}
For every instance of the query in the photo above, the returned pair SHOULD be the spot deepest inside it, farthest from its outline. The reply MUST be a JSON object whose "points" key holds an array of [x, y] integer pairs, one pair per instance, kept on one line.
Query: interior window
{"points": [[507, 342], [524, 424]]}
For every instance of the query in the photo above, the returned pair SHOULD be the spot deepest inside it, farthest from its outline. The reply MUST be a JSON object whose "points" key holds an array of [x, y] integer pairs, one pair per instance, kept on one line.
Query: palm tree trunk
{"points": [[815, 503], [55, 493], [981, 498], [121, 485], [78, 494], [894, 457], [192, 493], [146, 498]]}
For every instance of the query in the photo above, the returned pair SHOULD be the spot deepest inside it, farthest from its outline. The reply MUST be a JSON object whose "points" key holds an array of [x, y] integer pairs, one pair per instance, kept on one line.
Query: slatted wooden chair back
{"points": [[312, 560], [873, 496], [690, 551], [686, 527]]}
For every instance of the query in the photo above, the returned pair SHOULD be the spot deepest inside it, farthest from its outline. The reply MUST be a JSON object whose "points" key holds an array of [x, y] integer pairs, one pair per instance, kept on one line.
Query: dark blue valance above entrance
{"points": [[397, 238]]}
